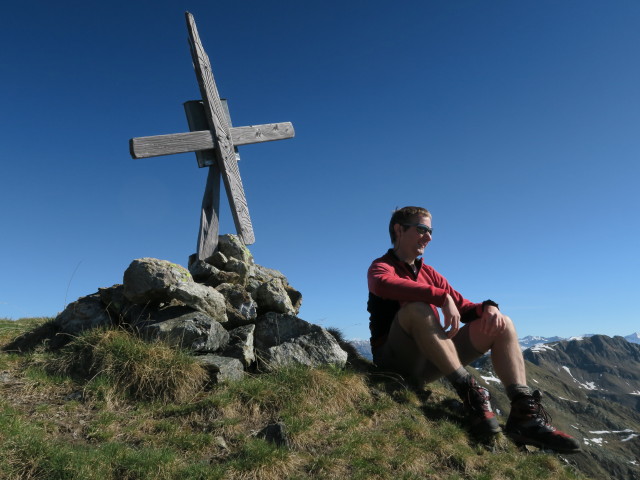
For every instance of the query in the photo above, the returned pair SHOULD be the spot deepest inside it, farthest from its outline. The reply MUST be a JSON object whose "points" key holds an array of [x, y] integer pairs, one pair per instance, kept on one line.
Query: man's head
{"points": [[403, 217]]}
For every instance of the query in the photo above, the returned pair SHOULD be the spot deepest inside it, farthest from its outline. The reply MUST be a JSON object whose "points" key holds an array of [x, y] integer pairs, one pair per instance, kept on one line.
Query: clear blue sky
{"points": [[515, 123]]}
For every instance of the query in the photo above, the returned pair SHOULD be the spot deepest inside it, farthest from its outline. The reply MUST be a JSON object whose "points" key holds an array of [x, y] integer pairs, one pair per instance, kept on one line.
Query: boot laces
{"points": [[538, 411], [479, 398]]}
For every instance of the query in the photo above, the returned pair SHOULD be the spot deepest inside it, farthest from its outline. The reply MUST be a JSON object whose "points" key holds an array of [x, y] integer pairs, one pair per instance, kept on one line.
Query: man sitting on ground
{"points": [[407, 336]]}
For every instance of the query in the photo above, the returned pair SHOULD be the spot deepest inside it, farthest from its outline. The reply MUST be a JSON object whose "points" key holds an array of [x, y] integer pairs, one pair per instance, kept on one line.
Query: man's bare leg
{"points": [[506, 353], [420, 323], [526, 424]]}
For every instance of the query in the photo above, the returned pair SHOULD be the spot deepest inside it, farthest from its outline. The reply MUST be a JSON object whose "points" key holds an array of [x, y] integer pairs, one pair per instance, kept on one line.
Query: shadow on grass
{"points": [[46, 336]]}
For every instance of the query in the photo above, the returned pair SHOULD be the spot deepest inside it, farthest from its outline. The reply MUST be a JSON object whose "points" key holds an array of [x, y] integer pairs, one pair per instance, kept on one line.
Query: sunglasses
{"points": [[421, 228]]}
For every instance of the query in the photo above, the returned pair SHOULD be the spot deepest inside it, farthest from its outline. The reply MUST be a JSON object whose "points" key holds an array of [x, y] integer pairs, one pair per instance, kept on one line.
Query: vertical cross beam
{"points": [[208, 232], [219, 128]]}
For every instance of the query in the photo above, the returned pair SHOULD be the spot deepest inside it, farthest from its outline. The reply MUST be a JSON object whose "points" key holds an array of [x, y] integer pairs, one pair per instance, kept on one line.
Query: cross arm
{"points": [[154, 146]]}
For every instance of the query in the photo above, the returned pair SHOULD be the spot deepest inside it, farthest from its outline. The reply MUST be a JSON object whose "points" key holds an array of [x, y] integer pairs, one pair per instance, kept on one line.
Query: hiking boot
{"points": [[530, 424], [476, 400]]}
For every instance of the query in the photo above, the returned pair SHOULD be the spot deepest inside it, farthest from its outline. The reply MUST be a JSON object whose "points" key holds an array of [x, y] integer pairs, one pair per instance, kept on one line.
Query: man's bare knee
{"points": [[510, 328]]}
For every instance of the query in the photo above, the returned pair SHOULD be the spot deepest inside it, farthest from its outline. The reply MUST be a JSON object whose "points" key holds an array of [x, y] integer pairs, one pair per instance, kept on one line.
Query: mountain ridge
{"points": [[591, 387], [530, 341]]}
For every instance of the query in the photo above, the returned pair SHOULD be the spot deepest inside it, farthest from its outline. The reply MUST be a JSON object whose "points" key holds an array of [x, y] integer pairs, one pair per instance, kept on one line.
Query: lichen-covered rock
{"points": [[83, 314], [182, 327], [282, 340], [232, 246], [221, 368], [241, 268], [200, 297], [271, 296], [147, 280]]}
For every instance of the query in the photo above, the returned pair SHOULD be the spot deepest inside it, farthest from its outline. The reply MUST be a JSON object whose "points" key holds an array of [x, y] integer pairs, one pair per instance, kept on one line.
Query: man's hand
{"points": [[492, 322], [451, 317]]}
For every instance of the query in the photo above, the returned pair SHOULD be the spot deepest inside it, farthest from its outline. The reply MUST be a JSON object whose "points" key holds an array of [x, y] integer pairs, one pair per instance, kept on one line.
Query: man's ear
{"points": [[397, 228]]}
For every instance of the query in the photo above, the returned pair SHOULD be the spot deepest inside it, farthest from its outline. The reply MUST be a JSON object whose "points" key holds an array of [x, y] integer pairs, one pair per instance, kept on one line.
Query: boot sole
{"points": [[521, 441]]}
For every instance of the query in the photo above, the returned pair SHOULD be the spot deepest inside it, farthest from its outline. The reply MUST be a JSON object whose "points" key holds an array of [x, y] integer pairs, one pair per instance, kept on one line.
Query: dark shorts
{"points": [[401, 354]]}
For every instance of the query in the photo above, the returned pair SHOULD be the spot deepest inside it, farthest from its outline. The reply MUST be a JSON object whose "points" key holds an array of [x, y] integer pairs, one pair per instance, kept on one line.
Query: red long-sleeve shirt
{"points": [[393, 282]]}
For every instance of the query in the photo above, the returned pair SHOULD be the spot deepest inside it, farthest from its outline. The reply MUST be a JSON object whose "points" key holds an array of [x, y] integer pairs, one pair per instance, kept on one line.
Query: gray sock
{"points": [[517, 390], [458, 377]]}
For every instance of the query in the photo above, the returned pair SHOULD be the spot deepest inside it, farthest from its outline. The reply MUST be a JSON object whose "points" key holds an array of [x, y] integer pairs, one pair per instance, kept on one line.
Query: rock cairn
{"points": [[234, 314]]}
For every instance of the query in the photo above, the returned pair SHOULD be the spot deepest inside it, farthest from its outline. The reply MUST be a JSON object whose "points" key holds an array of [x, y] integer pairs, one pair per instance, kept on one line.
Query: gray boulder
{"points": [[83, 314], [218, 260], [120, 309], [241, 345], [241, 308], [212, 276], [200, 297], [201, 271], [262, 275], [221, 368], [294, 296], [286, 339], [243, 269], [182, 327], [275, 433], [271, 296], [147, 280]]}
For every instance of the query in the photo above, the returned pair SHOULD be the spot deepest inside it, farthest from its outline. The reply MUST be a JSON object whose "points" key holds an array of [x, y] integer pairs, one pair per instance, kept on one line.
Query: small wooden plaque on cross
{"points": [[213, 139]]}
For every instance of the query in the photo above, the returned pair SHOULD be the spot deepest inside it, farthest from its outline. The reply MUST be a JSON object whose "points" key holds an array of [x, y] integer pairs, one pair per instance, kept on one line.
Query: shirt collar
{"points": [[418, 262]]}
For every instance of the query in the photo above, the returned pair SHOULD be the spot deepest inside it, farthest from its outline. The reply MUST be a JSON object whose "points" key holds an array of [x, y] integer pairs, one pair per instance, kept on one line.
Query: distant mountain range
{"points": [[526, 342], [591, 387]]}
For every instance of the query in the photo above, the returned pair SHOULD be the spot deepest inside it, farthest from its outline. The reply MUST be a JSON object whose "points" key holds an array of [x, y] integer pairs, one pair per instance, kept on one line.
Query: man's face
{"points": [[411, 242]]}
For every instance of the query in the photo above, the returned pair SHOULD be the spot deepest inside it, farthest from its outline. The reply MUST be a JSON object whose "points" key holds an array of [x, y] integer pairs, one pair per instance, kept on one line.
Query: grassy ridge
{"points": [[108, 406]]}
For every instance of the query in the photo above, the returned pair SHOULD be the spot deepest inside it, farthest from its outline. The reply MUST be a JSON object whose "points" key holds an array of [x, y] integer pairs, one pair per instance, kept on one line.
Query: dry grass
{"points": [[125, 364]]}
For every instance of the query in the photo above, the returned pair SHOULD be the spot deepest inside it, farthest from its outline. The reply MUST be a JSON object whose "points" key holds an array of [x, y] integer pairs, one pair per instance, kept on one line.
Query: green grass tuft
{"points": [[119, 364]]}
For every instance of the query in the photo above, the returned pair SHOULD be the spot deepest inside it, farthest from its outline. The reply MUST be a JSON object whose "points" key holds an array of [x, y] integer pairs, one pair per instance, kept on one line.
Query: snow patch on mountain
{"points": [[588, 385], [596, 441], [567, 400], [633, 338], [541, 347], [491, 378], [630, 434]]}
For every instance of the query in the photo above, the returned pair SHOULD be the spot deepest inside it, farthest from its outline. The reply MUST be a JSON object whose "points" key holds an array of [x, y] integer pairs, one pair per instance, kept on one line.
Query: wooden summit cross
{"points": [[213, 139]]}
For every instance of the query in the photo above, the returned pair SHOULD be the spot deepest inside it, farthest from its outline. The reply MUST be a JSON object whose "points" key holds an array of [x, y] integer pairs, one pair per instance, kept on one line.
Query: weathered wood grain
{"points": [[197, 121], [223, 145], [209, 220], [209, 213], [268, 132], [157, 145]]}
